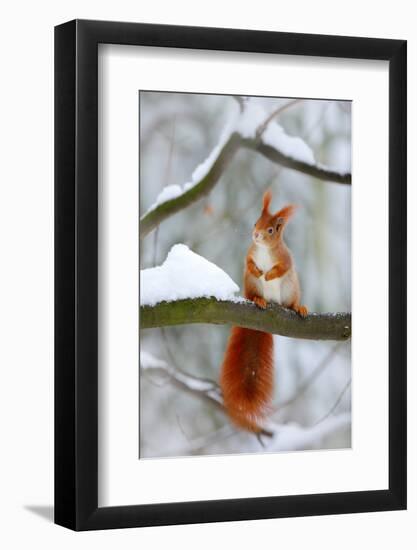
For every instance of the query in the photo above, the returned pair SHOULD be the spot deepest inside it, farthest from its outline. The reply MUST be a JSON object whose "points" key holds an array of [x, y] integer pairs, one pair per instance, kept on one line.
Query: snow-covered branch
{"points": [[293, 437], [188, 289], [174, 198], [249, 129], [315, 170], [199, 387], [279, 437]]}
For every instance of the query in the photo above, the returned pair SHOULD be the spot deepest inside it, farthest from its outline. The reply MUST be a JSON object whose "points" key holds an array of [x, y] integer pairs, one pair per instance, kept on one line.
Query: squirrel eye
{"points": [[270, 230]]}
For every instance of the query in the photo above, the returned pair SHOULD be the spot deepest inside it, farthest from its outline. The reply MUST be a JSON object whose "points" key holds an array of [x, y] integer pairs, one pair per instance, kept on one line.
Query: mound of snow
{"points": [[185, 274]]}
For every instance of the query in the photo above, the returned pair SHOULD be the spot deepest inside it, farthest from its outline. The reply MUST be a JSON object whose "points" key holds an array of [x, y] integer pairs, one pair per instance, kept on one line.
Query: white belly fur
{"points": [[272, 290]]}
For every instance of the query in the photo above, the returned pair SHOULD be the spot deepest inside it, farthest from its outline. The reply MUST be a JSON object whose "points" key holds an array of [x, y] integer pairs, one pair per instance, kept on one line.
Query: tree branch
{"points": [[336, 403], [203, 388], [200, 387], [314, 170], [310, 379], [281, 437], [274, 114], [275, 319], [292, 437], [154, 217]]}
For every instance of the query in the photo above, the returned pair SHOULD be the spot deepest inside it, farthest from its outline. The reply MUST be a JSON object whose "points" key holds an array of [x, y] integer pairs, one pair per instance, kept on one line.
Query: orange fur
{"points": [[278, 270], [252, 268], [287, 212], [266, 201], [247, 377], [247, 372]]}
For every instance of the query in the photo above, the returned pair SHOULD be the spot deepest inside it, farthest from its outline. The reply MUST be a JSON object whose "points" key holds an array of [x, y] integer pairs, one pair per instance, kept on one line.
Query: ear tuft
{"points": [[286, 212], [266, 201]]}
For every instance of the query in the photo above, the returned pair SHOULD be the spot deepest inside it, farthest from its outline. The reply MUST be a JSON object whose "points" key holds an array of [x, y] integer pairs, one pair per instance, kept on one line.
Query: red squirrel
{"points": [[247, 372]]}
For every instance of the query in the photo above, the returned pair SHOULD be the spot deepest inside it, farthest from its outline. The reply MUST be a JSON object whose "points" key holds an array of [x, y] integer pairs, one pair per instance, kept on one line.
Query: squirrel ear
{"points": [[287, 212], [266, 201]]}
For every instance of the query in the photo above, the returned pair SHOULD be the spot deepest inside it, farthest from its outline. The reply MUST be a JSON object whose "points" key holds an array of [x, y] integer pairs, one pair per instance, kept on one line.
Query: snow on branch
{"points": [[250, 128], [203, 388], [174, 198], [188, 289], [279, 437], [183, 275], [316, 170], [292, 437]]}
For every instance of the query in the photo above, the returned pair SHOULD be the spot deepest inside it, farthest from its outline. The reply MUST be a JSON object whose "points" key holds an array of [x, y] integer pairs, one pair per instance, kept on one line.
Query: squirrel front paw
{"points": [[260, 302], [302, 311], [256, 272], [270, 275], [254, 269]]}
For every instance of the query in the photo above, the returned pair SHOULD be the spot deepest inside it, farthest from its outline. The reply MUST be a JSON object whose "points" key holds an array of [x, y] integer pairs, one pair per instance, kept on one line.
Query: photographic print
{"points": [[204, 275], [245, 274]]}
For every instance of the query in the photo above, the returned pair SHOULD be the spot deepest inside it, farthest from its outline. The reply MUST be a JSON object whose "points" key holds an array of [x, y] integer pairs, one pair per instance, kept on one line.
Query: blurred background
{"points": [[177, 132]]}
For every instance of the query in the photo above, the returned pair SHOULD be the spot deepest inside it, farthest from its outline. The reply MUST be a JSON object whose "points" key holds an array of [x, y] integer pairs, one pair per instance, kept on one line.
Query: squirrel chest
{"points": [[274, 290]]}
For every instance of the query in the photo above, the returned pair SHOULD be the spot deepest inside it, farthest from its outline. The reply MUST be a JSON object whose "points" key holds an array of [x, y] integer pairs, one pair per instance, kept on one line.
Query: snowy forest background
{"points": [[313, 377]]}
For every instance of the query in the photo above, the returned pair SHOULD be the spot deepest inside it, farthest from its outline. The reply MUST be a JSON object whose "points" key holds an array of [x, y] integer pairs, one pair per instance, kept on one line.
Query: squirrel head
{"points": [[270, 227]]}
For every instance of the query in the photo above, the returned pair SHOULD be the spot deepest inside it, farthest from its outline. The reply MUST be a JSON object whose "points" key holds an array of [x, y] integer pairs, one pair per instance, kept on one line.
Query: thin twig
{"points": [[240, 101], [336, 403], [310, 379], [170, 152], [199, 387], [204, 441], [261, 129]]}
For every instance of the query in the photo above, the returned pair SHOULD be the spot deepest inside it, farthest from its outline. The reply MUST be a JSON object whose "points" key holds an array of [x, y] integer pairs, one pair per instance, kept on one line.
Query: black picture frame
{"points": [[76, 272]]}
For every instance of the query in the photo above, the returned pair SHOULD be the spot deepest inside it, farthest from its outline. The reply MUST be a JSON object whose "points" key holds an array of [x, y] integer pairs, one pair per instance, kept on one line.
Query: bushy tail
{"points": [[247, 377]]}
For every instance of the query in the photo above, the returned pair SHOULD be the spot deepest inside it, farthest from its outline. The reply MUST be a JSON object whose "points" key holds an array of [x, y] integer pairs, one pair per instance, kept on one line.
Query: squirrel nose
{"points": [[256, 234]]}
